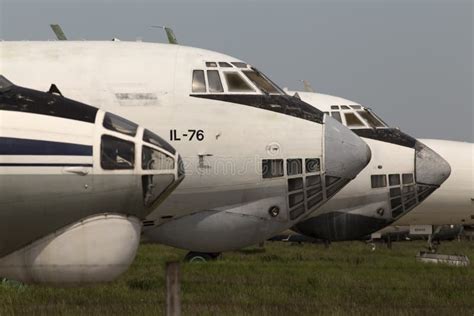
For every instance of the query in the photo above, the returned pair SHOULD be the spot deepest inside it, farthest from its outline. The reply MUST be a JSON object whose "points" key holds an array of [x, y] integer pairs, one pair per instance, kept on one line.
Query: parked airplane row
{"points": [[243, 160], [353, 213]]}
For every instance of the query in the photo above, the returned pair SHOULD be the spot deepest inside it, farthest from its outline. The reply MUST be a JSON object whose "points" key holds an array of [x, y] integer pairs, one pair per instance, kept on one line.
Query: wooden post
{"points": [[173, 302]]}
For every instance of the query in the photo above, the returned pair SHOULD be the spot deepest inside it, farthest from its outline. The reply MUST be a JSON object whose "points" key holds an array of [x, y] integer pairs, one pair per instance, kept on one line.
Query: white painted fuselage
{"points": [[453, 202], [223, 144]]}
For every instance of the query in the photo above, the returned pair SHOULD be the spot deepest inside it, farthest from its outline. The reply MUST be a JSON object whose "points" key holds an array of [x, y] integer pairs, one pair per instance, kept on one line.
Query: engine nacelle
{"points": [[96, 249]]}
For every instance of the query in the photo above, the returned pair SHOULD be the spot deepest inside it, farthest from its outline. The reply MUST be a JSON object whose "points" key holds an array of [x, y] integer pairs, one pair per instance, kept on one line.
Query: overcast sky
{"points": [[411, 61]]}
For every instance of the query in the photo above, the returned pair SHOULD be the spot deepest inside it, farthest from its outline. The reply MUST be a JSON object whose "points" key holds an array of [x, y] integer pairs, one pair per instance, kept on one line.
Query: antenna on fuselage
{"points": [[53, 89], [307, 86], [58, 31], [169, 33]]}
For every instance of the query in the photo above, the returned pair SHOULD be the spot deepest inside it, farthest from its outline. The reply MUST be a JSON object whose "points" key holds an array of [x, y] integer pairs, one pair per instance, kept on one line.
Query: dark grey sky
{"points": [[411, 61]]}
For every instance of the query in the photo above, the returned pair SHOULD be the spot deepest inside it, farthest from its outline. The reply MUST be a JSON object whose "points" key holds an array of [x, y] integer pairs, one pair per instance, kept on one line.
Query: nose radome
{"points": [[346, 154], [431, 168]]}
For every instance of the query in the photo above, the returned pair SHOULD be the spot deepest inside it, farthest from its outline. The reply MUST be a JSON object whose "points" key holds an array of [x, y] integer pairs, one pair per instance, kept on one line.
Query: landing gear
{"points": [[200, 256], [433, 243]]}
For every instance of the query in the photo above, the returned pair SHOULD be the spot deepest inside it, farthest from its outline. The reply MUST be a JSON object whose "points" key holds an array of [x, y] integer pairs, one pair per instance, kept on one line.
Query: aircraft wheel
{"points": [[200, 256]]}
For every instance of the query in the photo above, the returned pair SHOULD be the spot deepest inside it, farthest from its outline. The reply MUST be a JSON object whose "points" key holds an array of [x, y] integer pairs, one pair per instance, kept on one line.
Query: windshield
{"points": [[371, 119], [261, 82], [156, 140]]}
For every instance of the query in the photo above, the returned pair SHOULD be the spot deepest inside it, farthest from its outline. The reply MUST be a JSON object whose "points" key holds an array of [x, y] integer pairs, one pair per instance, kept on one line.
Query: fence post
{"points": [[173, 301]]}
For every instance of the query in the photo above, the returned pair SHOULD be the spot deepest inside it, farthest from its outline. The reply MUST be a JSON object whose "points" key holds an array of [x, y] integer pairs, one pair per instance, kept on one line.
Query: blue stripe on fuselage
{"points": [[19, 146], [46, 165]]}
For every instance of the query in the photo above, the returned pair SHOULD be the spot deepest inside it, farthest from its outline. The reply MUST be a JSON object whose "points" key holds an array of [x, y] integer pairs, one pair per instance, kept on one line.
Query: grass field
{"points": [[281, 279]]}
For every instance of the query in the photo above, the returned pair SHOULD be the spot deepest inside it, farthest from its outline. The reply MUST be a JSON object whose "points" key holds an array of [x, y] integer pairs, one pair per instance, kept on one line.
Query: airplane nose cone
{"points": [[346, 154], [430, 167]]}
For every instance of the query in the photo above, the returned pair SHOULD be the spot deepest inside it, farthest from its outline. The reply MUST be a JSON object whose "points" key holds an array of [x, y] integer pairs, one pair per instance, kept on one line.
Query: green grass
{"points": [[282, 279]]}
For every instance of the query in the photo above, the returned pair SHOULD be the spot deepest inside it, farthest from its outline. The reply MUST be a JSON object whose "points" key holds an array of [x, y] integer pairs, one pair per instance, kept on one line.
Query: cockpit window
{"points": [[352, 120], [224, 64], [116, 153], [153, 159], [370, 119], [156, 140], [261, 82], [239, 64], [345, 107], [337, 116], [235, 83], [199, 83], [214, 80], [356, 107], [211, 64], [119, 124], [334, 107]]}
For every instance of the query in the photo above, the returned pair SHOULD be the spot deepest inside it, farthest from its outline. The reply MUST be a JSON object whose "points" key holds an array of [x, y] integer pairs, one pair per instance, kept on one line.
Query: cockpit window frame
{"points": [[239, 64], [243, 78], [107, 138], [362, 124], [369, 118], [193, 78], [264, 81], [148, 137], [214, 86], [118, 124]]}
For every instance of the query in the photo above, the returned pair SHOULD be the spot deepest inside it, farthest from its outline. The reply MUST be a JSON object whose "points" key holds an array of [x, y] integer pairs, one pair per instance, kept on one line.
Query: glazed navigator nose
{"points": [[346, 154], [430, 168]]}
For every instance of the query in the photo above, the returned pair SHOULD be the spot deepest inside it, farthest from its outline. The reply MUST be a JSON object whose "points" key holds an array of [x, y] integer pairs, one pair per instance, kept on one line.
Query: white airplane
{"points": [[403, 173], [73, 190], [453, 203], [256, 159]]}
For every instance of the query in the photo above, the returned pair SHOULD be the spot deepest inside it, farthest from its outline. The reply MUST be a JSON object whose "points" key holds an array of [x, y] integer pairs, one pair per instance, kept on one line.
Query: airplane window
{"points": [[313, 181], [395, 192], [295, 198], [334, 107], [214, 80], [153, 159], [294, 166], [211, 64], [239, 64], [312, 165], [378, 180], [116, 153], [336, 116], [370, 119], [345, 107], [407, 178], [262, 83], [119, 124], [395, 203], [394, 179], [235, 83], [156, 140], [272, 168], [295, 184], [224, 64], [356, 107], [199, 83], [352, 120]]}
